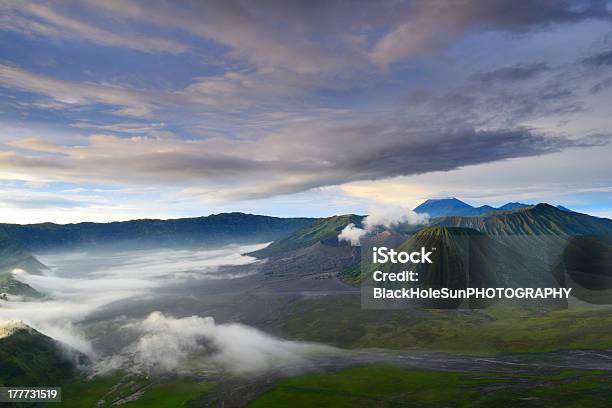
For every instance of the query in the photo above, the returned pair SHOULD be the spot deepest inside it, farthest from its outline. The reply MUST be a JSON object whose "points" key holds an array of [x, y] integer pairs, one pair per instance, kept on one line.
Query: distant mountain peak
{"points": [[448, 200], [513, 205], [545, 207], [444, 207], [437, 207], [440, 207]]}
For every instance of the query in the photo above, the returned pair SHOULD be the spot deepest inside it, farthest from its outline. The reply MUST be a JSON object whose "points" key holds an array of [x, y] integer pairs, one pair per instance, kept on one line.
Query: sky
{"points": [[115, 110]]}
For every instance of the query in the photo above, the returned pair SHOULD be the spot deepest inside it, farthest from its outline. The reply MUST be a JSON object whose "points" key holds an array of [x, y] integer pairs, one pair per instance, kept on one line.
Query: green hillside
{"points": [[380, 385], [323, 230], [14, 255], [518, 247], [541, 219], [215, 229], [540, 231], [29, 358]]}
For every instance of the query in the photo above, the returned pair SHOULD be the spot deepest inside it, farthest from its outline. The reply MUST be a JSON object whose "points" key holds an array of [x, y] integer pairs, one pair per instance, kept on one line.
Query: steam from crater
{"points": [[387, 217]]}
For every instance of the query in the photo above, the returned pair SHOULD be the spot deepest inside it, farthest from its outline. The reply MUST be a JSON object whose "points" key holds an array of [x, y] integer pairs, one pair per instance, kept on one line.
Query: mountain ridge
{"points": [[217, 229], [453, 206], [322, 230], [527, 222]]}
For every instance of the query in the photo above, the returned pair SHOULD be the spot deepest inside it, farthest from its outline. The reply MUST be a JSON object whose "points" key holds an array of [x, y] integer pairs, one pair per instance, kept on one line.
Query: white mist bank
{"points": [[169, 345], [79, 284]]}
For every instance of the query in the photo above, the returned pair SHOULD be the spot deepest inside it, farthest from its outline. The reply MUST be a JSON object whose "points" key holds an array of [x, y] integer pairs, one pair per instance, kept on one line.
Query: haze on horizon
{"points": [[114, 110]]}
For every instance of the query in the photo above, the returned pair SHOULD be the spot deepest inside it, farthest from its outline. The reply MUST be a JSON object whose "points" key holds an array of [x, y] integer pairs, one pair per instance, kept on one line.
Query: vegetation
{"points": [[542, 219], [324, 229], [215, 229], [355, 274], [14, 255], [390, 386], [133, 391], [340, 321], [29, 358]]}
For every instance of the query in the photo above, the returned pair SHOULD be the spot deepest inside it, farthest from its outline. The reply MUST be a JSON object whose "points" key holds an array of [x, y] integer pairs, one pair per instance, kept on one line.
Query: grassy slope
{"points": [[103, 391], [389, 386], [542, 219], [355, 274], [32, 359], [340, 321], [323, 229]]}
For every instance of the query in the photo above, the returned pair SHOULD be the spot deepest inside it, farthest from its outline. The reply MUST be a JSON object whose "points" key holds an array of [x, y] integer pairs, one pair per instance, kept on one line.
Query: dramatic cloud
{"points": [[237, 101], [264, 168], [259, 168]]}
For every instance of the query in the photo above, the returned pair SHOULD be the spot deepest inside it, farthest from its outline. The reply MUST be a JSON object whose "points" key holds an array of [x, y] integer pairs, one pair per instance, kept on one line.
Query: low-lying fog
{"points": [[79, 285]]}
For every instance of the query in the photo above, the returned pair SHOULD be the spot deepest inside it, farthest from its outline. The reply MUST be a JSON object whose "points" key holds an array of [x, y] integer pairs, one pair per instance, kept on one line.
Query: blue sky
{"points": [[113, 110]]}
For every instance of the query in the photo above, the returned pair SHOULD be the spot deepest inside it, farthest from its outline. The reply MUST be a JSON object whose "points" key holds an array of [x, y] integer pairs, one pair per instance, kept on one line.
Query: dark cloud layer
{"points": [[511, 74], [602, 59], [314, 159]]}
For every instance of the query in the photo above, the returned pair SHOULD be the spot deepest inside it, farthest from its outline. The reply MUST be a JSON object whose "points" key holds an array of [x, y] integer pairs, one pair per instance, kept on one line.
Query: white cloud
{"points": [[133, 102], [167, 343], [102, 279], [351, 234], [385, 216], [270, 36], [390, 217], [228, 169], [204, 97], [39, 19], [82, 283]]}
